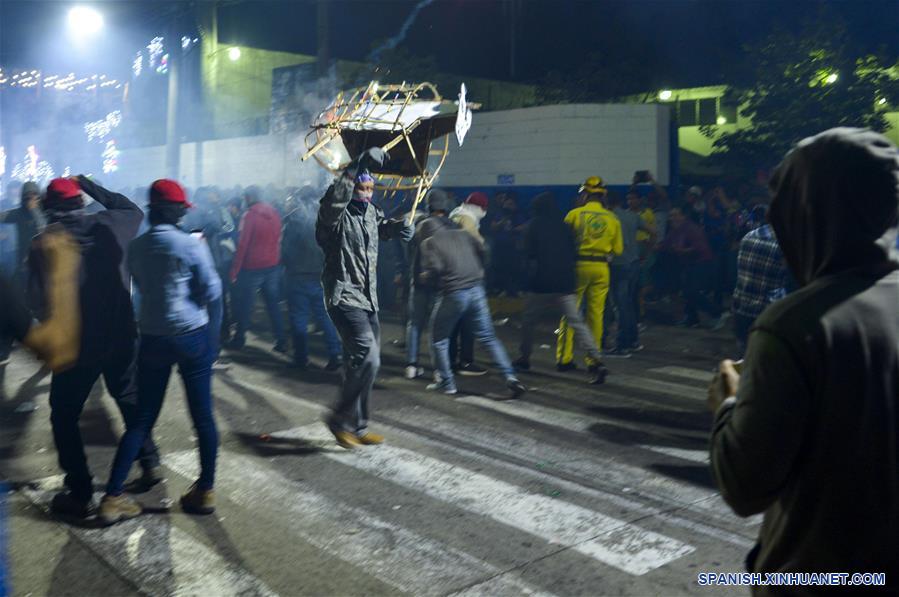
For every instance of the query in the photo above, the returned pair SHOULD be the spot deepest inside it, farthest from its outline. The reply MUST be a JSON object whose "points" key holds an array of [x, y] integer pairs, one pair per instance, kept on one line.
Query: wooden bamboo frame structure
{"points": [[344, 114]]}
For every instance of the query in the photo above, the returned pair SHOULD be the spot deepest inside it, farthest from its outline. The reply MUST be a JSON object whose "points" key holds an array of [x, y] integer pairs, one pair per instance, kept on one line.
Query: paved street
{"points": [[574, 490]]}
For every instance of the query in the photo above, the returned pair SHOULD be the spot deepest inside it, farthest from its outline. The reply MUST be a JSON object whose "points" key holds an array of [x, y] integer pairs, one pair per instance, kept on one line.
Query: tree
{"points": [[801, 85]]}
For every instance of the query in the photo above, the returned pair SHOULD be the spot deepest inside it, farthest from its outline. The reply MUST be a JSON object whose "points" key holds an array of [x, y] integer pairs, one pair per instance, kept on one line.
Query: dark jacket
{"points": [[812, 439], [348, 232], [107, 317], [259, 246], [423, 231], [550, 249], [451, 259], [300, 254]]}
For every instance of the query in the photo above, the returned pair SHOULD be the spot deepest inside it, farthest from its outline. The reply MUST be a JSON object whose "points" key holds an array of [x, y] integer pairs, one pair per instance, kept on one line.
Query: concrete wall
{"points": [[259, 160], [562, 145], [542, 147]]}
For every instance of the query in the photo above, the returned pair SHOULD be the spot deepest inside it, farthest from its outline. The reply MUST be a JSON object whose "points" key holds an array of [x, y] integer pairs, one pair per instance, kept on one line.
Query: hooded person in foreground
{"points": [[808, 431]]}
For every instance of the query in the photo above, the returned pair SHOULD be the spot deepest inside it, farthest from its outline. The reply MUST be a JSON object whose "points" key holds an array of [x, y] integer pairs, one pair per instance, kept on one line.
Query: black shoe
{"points": [[598, 374], [522, 364], [152, 476], [280, 347], [300, 365], [67, 505], [563, 367], [235, 344], [334, 364], [618, 353], [517, 388], [471, 370]]}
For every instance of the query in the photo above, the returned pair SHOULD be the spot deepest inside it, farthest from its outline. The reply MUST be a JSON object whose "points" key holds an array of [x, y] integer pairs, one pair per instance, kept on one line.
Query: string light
{"points": [[155, 50], [33, 78], [138, 65], [33, 168], [99, 129], [110, 157]]}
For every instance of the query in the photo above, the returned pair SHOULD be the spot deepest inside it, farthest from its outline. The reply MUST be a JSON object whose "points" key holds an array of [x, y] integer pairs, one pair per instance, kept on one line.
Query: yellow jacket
{"points": [[596, 230], [649, 218]]}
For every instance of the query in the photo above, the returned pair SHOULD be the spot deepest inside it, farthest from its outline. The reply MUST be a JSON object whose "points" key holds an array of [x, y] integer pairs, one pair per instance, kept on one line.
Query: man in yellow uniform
{"points": [[597, 233]]}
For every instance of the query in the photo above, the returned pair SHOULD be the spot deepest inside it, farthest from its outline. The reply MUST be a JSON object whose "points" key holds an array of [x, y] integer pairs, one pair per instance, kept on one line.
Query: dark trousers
{"points": [[304, 298], [267, 280], [698, 279], [360, 331], [461, 347], [192, 353], [69, 391], [625, 283]]}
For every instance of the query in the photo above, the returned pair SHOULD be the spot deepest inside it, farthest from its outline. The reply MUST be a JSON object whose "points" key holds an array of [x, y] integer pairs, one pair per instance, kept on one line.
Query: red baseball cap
{"points": [[168, 191], [478, 198], [61, 189]]}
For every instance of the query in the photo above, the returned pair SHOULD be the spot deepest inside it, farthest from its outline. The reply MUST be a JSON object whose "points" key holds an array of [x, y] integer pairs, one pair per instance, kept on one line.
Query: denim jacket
{"points": [[177, 280]]}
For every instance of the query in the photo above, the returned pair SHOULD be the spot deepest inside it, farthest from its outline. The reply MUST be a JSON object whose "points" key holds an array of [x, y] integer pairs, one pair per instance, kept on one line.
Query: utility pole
{"points": [[172, 140]]}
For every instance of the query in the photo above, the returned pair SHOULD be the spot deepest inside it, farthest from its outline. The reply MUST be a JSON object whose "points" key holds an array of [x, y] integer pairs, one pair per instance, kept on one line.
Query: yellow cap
{"points": [[593, 185]]}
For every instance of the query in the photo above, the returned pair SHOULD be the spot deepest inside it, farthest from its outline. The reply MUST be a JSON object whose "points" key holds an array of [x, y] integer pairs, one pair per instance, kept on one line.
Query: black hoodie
{"points": [[551, 249], [812, 439], [107, 316]]}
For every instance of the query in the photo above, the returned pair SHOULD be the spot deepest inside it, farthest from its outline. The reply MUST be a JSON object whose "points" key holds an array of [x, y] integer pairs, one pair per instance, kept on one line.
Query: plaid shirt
{"points": [[762, 275]]}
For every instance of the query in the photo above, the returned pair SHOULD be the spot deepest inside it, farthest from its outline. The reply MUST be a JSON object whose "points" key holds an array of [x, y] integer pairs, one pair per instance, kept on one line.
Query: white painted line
{"points": [[686, 373], [700, 456], [606, 471], [570, 421], [609, 540], [159, 558], [397, 556], [672, 496]]}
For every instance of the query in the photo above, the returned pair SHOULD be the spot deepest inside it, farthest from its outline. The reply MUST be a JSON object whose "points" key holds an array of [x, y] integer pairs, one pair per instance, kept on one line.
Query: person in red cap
{"points": [[181, 293], [108, 339]]}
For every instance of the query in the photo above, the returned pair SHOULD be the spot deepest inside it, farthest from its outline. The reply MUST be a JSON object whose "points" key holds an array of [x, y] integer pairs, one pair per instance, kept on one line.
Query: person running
{"points": [[598, 239], [108, 334], [177, 279], [348, 229]]}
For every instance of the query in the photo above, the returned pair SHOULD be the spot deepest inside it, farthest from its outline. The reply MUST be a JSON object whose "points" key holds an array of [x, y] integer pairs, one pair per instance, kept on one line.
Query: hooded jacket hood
{"points": [[835, 203]]}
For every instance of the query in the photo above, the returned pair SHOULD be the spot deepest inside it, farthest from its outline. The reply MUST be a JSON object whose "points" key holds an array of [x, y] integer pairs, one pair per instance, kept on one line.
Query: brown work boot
{"points": [[346, 439], [116, 508], [198, 501], [370, 439]]}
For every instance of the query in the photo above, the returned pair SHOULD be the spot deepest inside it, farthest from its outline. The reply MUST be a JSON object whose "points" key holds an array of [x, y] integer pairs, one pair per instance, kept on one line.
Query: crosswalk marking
{"points": [[685, 373], [157, 557], [610, 472], [642, 485], [399, 557], [609, 540], [700, 456]]}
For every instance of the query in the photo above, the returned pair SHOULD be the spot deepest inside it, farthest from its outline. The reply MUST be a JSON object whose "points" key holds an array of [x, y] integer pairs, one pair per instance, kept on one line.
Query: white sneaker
{"points": [[414, 371], [442, 387]]}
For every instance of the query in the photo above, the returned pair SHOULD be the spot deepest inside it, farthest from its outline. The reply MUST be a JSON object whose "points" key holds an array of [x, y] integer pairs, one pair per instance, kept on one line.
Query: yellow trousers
{"points": [[592, 289]]}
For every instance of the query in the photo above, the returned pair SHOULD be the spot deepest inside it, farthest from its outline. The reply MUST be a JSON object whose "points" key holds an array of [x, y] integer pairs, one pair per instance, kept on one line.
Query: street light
{"points": [[722, 120], [83, 19], [831, 78], [665, 95], [234, 54]]}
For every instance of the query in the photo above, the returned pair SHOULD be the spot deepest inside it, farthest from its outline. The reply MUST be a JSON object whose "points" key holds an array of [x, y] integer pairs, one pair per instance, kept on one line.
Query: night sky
{"points": [[673, 42]]}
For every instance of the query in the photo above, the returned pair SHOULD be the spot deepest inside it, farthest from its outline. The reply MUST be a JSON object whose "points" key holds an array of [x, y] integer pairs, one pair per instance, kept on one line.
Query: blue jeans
{"points": [[305, 297], [468, 305], [421, 302], [248, 282], [215, 310], [157, 354], [625, 281]]}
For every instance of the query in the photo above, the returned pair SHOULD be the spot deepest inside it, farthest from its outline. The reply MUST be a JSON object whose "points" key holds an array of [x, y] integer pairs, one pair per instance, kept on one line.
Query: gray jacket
{"points": [[348, 232]]}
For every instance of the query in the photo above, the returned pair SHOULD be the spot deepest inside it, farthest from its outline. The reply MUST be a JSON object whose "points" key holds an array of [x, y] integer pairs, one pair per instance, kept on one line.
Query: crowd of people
{"points": [[127, 293]]}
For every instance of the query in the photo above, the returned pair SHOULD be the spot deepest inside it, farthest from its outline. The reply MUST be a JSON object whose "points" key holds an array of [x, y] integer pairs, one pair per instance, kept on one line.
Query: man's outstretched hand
{"points": [[374, 157]]}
